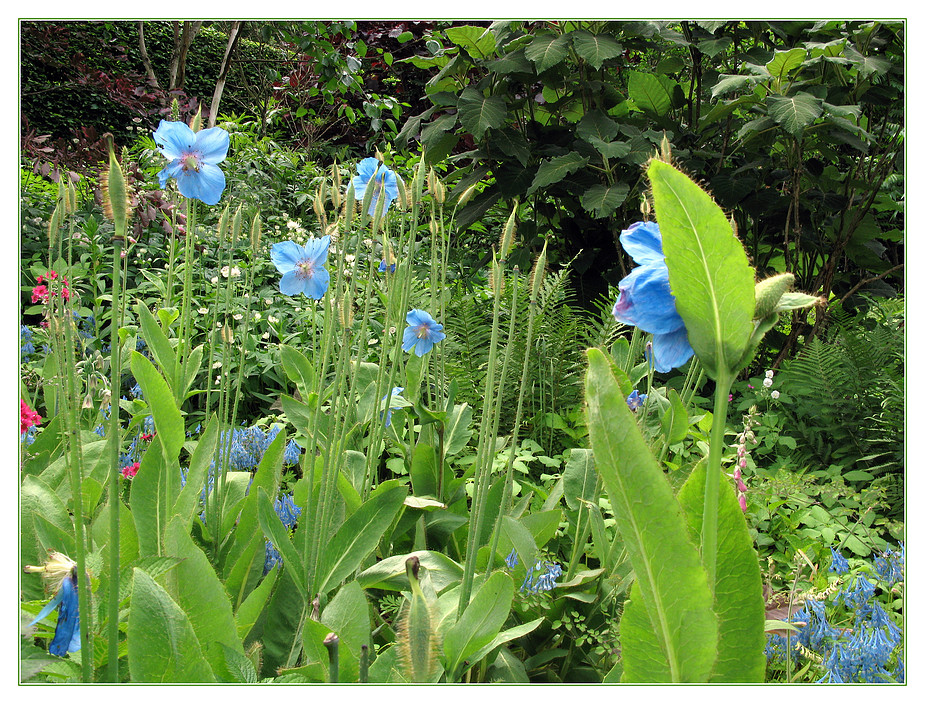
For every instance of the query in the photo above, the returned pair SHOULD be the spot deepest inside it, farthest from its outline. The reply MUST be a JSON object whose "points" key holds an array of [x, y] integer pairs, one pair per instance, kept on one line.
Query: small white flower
{"points": [[265, 336], [203, 311], [268, 301], [292, 225], [237, 316], [775, 394], [217, 365], [272, 319], [257, 315], [769, 374], [214, 279], [768, 382]]}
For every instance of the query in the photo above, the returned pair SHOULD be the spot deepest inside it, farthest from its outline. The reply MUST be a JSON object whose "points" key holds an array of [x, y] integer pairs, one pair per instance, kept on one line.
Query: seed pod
{"points": [[507, 236]]}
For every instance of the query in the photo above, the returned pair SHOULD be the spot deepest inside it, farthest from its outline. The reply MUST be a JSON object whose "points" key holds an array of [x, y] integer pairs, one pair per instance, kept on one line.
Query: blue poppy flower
{"points": [[302, 267], [388, 414], [384, 179], [383, 267], [60, 571], [646, 300], [422, 332], [192, 159], [635, 400]]}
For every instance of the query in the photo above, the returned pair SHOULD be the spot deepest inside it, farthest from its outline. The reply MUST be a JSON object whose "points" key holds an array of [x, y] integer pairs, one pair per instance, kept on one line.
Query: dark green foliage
{"points": [[847, 401]]}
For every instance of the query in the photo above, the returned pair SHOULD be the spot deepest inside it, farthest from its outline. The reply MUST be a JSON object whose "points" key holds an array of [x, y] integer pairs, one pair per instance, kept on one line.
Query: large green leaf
{"points": [[480, 623], [478, 113], [556, 169], [358, 536], [150, 501], [391, 574], [672, 581], [162, 645], [276, 533], [159, 345], [595, 48], [197, 590], [794, 112], [713, 284], [547, 50], [601, 200], [167, 417], [648, 93], [739, 602], [478, 41], [784, 62]]}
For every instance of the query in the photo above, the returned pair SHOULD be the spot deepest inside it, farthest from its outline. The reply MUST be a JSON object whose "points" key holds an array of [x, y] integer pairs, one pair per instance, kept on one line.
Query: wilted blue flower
{"points": [[60, 573], [422, 332], [383, 267], [646, 300], [388, 414], [302, 267], [385, 183], [511, 560], [272, 558], [192, 159], [635, 400], [839, 564]]}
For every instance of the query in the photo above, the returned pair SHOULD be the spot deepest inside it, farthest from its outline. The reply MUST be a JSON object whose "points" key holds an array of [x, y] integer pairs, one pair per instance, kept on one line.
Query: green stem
{"points": [[115, 440], [714, 475]]}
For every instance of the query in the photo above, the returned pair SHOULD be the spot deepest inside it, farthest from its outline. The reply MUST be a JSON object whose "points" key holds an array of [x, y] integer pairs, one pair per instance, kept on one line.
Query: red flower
{"points": [[40, 294], [27, 417], [131, 470]]}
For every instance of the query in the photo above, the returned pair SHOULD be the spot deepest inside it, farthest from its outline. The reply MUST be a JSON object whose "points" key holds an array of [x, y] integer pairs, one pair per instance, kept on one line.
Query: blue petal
{"points": [[212, 144], [316, 284], [285, 255], [423, 346], [206, 184], [646, 300], [48, 608], [671, 350], [172, 170], [174, 138], [291, 284], [643, 242], [409, 339], [367, 167], [316, 249], [67, 631]]}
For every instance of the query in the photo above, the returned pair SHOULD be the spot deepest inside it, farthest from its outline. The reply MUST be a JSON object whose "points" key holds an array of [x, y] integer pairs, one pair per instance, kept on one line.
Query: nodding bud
{"points": [[769, 292], [536, 276], [436, 187], [645, 207], [196, 123], [54, 222], [507, 236], [496, 278], [417, 183], [256, 231], [416, 634], [412, 566], [227, 335], [115, 195]]}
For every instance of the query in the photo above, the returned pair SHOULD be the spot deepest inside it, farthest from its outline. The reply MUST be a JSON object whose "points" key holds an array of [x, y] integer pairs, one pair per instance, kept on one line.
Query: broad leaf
{"points": [[547, 50], [168, 420], [556, 169], [478, 113], [739, 604], [480, 623], [162, 645], [601, 201], [595, 48], [713, 284], [357, 537], [672, 582], [794, 112], [648, 93]]}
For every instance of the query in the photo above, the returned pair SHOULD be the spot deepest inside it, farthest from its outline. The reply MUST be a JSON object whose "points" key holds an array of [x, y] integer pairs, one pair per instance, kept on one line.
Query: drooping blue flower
{"points": [[384, 180], [422, 332], [302, 267], [293, 453], [383, 267], [646, 300], [890, 564], [60, 573], [192, 158], [839, 564], [388, 414], [511, 560], [635, 400]]}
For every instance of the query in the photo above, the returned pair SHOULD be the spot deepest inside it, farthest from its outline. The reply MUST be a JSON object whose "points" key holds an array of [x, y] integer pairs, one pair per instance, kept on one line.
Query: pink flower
{"points": [[131, 470], [27, 417], [742, 503], [40, 294]]}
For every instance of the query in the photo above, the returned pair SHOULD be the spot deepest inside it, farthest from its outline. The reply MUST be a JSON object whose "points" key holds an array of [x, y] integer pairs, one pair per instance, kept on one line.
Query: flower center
{"points": [[305, 269], [190, 162], [422, 331]]}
